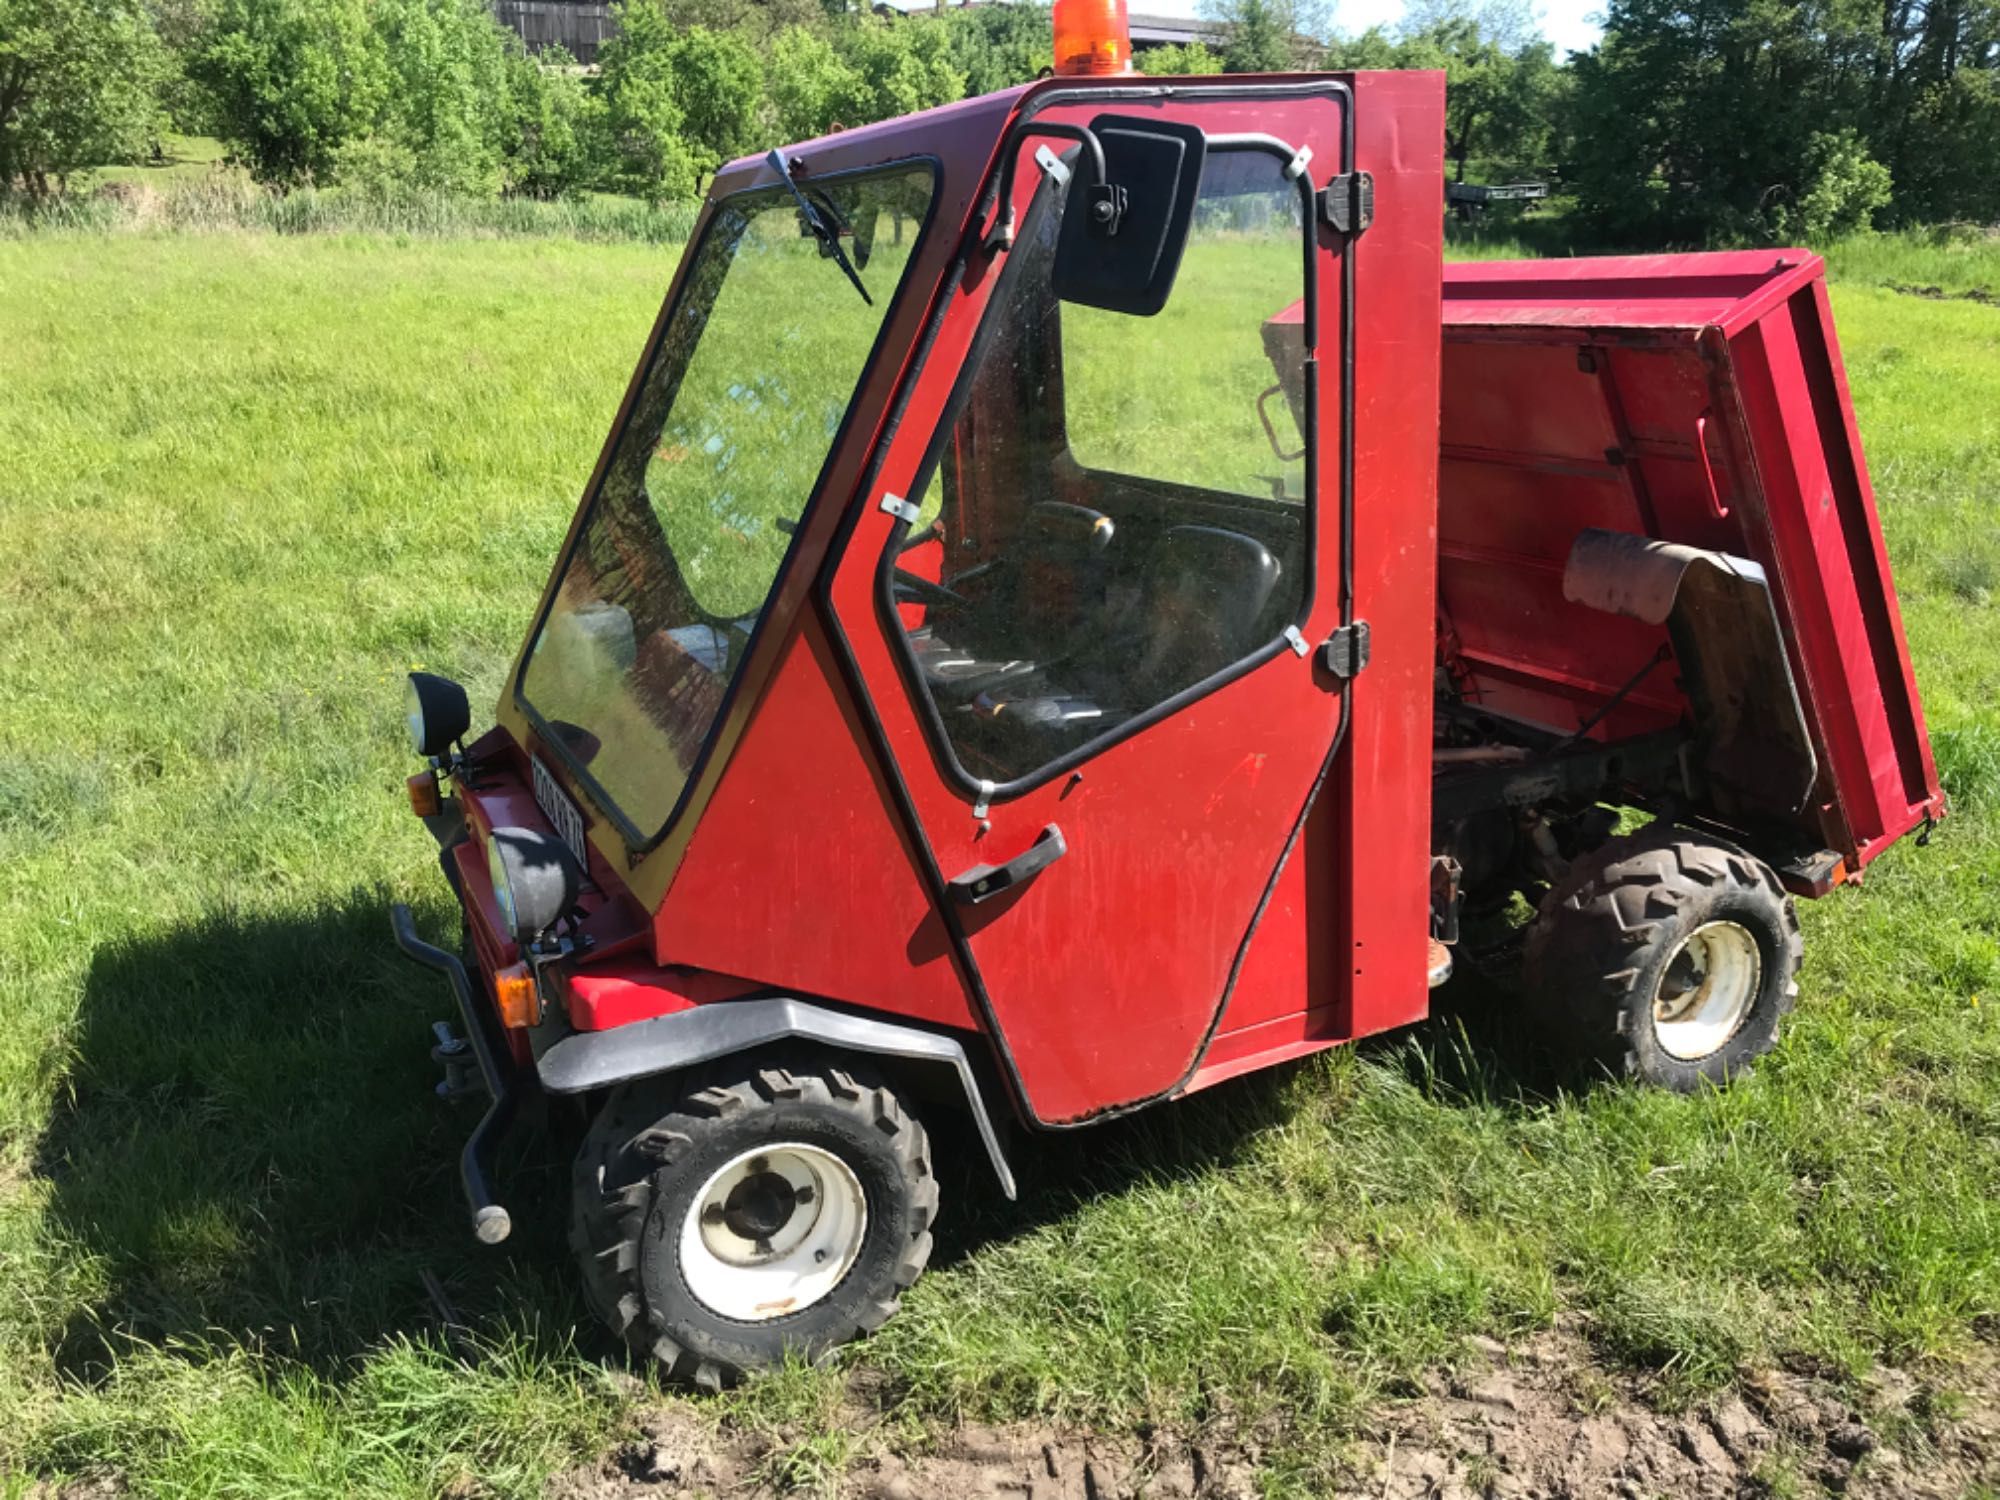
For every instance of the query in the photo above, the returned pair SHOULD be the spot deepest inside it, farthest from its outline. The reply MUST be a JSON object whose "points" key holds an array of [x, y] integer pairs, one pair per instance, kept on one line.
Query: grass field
{"points": [[181, 159], [247, 480]]}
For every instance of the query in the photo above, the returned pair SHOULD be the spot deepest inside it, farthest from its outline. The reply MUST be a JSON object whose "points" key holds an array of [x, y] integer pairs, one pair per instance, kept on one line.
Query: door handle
{"points": [[983, 882]]}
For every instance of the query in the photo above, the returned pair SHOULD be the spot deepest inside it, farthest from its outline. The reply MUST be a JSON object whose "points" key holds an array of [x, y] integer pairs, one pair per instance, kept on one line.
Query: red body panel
{"points": [[1696, 398], [799, 875], [634, 988]]}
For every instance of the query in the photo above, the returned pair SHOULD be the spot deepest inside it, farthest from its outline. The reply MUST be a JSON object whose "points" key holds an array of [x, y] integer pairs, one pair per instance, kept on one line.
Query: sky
{"points": [[1570, 24]]}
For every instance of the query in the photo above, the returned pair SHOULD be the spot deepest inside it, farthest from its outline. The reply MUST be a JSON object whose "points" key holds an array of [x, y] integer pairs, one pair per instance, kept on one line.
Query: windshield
{"points": [[724, 446]]}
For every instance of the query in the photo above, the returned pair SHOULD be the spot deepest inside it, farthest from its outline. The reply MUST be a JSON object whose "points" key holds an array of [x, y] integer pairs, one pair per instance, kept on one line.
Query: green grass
{"points": [[248, 479], [145, 201], [182, 159]]}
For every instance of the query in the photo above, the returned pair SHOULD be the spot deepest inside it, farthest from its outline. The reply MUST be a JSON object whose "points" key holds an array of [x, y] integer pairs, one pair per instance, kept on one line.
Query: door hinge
{"points": [[1348, 202], [1346, 650]]}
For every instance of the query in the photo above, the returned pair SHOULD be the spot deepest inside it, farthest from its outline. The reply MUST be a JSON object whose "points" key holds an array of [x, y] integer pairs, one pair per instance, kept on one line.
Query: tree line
{"points": [[1692, 121]]}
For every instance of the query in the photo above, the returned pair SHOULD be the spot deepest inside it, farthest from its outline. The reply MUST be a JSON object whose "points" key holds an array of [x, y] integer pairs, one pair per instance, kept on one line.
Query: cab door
{"points": [[1085, 587]]}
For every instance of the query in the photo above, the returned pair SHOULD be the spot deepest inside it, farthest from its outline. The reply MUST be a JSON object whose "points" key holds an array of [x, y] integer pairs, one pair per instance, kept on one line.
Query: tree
{"points": [[292, 81], [1270, 36], [649, 152], [720, 84], [677, 103], [998, 46], [1500, 105], [1190, 60], [557, 124], [1509, 24], [899, 66], [447, 103], [181, 26], [807, 83], [78, 83], [1697, 120], [1958, 177], [755, 22]]}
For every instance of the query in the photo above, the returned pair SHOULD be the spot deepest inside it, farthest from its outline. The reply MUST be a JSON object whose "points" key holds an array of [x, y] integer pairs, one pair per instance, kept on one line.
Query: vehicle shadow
{"points": [[250, 1151], [248, 1148]]}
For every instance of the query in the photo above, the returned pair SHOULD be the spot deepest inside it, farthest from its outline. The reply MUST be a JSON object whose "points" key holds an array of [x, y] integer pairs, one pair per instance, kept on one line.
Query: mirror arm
{"points": [[1001, 236]]}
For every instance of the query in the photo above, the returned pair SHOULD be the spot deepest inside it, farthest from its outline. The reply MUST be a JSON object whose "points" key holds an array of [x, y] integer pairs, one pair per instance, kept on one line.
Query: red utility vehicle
{"points": [[1077, 604]]}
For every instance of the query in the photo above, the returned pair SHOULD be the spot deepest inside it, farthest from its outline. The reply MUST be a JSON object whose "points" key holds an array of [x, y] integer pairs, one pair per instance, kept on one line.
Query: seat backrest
{"points": [[1208, 593]]}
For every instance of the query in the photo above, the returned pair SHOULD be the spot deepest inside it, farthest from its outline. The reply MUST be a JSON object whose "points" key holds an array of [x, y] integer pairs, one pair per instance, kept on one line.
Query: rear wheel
{"points": [[760, 1208], [1669, 955]]}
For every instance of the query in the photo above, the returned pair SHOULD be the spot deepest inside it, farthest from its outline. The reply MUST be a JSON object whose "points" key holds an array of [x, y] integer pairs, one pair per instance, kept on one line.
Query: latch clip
{"points": [[1345, 652], [1348, 202]]}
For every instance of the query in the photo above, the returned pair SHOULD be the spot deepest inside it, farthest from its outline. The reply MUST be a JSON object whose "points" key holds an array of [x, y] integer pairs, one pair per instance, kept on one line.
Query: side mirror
{"points": [[1121, 239]]}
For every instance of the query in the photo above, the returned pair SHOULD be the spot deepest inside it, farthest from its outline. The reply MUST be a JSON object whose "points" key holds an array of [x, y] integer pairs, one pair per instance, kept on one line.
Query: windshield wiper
{"points": [[815, 221]]}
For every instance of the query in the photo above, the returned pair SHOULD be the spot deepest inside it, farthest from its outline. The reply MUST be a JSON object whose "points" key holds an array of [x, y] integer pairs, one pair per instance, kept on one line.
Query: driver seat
{"points": [[1208, 600]]}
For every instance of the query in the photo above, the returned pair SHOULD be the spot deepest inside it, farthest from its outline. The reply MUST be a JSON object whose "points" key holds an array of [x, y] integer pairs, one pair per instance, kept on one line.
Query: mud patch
{"points": [[1939, 294], [1537, 1421]]}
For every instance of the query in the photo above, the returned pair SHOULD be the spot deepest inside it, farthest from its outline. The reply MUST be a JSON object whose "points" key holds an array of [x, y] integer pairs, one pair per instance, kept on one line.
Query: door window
{"points": [[1116, 513]]}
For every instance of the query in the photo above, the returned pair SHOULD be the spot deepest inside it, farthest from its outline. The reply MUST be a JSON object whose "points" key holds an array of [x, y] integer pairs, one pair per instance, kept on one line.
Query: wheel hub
{"points": [[759, 1206], [772, 1232], [1706, 990]]}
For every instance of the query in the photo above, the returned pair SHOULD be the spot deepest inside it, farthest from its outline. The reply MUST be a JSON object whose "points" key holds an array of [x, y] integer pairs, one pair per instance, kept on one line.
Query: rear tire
{"points": [[759, 1208], [1668, 955]]}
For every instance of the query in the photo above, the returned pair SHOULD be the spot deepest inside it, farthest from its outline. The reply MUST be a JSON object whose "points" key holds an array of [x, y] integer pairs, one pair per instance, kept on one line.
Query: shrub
{"points": [[376, 167], [1844, 191], [558, 125], [1191, 60]]}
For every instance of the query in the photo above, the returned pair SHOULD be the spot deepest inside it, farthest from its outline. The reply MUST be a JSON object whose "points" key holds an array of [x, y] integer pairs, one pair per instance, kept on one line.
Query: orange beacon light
{"points": [[1092, 37]]}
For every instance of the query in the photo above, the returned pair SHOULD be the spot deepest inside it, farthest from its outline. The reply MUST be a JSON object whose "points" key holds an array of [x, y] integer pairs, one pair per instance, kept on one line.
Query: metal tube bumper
{"points": [[490, 1221]]}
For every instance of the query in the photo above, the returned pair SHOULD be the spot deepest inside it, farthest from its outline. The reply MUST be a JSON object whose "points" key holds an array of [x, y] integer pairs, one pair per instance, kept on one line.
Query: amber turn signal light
{"points": [[516, 997], [425, 799]]}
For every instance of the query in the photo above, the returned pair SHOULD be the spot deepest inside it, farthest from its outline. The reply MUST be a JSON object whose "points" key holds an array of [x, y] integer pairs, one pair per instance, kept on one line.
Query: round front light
{"points": [[535, 880], [437, 712]]}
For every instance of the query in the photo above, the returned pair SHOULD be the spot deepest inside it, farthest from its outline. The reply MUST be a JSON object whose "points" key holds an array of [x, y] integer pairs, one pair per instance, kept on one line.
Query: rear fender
{"points": [[587, 1060]]}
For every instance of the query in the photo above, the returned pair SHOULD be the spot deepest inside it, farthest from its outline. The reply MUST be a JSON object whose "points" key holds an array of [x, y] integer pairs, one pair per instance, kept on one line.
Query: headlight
{"points": [[535, 880], [438, 712]]}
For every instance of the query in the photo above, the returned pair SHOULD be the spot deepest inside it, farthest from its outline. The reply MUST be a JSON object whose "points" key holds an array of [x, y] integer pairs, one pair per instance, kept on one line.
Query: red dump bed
{"points": [[1699, 399]]}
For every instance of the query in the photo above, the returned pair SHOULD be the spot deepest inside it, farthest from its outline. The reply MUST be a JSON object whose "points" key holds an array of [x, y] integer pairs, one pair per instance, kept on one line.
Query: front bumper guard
{"points": [[490, 1222]]}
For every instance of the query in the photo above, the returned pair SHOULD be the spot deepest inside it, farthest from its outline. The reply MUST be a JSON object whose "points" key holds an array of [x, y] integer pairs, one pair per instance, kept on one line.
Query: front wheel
{"points": [[1667, 954], [762, 1208]]}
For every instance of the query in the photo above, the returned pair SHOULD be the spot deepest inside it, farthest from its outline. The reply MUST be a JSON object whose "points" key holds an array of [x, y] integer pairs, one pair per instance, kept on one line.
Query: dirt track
{"points": [[1536, 1421]]}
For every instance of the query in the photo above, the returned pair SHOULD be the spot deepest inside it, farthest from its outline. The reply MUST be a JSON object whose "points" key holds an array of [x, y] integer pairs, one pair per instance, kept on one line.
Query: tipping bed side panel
{"points": [[1830, 569]]}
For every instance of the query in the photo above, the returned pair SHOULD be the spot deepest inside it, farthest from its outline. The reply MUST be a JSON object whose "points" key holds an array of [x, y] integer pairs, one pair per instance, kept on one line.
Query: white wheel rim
{"points": [[772, 1232], [1706, 990]]}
